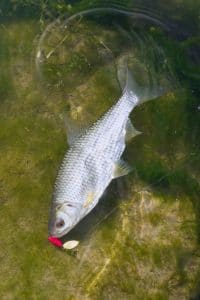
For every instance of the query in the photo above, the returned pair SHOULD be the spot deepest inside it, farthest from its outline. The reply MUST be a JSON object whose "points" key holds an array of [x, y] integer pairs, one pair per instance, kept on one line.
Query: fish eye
{"points": [[60, 223], [70, 205]]}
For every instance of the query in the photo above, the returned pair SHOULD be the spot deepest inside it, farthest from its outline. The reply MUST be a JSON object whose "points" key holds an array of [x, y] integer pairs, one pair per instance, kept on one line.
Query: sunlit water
{"points": [[141, 241]]}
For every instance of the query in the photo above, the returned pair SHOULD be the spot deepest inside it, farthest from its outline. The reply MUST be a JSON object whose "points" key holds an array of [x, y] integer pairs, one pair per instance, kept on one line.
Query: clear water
{"points": [[142, 240]]}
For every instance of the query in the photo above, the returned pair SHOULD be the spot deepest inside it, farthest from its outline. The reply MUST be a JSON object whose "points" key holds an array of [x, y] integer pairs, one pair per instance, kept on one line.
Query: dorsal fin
{"points": [[74, 130]]}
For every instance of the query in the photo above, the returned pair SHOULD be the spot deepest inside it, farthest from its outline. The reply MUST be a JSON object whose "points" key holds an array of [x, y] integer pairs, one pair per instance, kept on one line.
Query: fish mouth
{"points": [[58, 235], [55, 233]]}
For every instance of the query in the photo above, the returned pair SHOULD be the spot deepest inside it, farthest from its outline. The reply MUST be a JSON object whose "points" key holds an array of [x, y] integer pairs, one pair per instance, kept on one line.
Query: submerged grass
{"points": [[148, 246]]}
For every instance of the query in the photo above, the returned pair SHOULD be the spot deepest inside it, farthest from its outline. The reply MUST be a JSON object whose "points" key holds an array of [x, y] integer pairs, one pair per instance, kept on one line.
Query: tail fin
{"points": [[128, 83]]}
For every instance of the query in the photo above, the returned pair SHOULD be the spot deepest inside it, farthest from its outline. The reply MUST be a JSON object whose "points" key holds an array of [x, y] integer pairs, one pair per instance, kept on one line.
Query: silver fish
{"points": [[91, 163]]}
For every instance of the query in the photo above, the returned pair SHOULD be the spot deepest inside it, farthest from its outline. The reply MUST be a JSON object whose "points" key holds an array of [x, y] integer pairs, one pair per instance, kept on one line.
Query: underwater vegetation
{"points": [[142, 240]]}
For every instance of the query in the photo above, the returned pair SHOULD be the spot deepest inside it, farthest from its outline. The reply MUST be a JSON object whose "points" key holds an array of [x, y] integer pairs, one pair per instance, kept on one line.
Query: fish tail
{"points": [[129, 85]]}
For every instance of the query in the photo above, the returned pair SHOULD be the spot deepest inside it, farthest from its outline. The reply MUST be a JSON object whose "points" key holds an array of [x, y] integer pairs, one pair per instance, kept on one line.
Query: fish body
{"points": [[92, 161]]}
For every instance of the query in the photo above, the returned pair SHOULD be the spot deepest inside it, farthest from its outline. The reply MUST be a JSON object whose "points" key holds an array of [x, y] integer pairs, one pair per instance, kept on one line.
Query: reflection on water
{"points": [[142, 239]]}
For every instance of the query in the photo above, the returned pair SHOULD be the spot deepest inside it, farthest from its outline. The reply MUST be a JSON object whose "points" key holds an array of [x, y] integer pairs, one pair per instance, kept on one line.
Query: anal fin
{"points": [[131, 132], [121, 169]]}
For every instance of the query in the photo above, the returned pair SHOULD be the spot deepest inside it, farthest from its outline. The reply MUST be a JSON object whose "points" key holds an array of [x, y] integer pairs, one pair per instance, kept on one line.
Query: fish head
{"points": [[63, 218]]}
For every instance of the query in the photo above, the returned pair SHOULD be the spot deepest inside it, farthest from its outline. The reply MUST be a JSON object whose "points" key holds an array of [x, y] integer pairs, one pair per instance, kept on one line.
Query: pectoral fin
{"points": [[90, 198], [131, 132], [121, 169]]}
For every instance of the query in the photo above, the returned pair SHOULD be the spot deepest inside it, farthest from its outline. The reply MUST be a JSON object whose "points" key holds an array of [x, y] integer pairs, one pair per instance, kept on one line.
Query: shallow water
{"points": [[142, 240]]}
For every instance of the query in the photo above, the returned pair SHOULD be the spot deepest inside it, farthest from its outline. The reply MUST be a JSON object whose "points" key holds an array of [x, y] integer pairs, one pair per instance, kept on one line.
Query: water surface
{"points": [[142, 240]]}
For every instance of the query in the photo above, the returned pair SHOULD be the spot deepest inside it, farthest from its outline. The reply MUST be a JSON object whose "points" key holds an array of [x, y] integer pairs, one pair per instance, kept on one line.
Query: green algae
{"points": [[142, 241]]}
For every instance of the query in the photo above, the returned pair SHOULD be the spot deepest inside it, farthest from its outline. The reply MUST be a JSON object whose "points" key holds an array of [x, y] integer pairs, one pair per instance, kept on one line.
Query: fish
{"points": [[92, 161]]}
